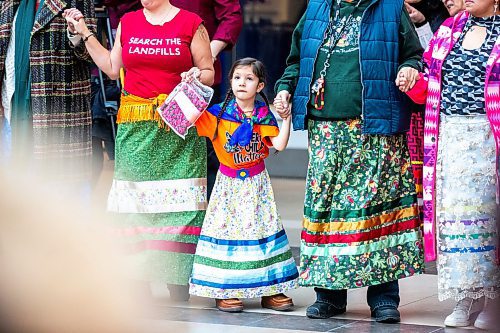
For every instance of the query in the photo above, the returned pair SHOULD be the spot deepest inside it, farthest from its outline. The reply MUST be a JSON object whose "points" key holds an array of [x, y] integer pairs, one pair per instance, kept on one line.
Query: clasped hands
{"points": [[406, 78]]}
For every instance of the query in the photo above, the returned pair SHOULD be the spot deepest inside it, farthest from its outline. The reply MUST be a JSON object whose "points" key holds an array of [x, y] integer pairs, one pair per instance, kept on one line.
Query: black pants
{"points": [[385, 294]]}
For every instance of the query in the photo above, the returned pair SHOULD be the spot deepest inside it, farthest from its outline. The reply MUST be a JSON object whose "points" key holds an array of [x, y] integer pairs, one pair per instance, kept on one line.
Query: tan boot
{"points": [[229, 305], [279, 302]]}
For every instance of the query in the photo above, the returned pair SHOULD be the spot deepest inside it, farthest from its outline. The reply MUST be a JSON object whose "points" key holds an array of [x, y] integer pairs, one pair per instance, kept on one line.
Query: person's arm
{"points": [[288, 80], [230, 21], [86, 8], [410, 53], [285, 86], [109, 62], [205, 124], [410, 50], [281, 140], [422, 27], [418, 93], [424, 33], [202, 57]]}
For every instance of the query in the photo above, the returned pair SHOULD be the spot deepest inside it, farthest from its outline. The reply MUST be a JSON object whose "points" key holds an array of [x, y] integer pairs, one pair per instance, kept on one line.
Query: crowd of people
{"points": [[382, 197]]}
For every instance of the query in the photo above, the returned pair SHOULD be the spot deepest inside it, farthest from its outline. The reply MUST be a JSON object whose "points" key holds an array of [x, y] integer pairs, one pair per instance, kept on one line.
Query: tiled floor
{"points": [[420, 312], [420, 309]]}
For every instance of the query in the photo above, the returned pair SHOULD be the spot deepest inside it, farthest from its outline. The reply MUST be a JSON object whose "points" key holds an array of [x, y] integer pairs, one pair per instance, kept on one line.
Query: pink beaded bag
{"points": [[185, 105]]}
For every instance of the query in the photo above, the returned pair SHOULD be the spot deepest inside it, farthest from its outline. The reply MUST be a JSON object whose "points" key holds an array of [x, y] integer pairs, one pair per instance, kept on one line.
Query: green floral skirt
{"points": [[361, 224]]}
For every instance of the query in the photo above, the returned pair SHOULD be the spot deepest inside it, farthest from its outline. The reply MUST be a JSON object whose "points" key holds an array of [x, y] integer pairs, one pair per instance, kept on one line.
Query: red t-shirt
{"points": [[154, 56]]}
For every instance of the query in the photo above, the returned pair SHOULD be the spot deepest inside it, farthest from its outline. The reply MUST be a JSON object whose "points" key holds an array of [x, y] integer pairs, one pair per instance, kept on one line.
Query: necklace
{"points": [[478, 23], [333, 33], [150, 18], [473, 28], [247, 113]]}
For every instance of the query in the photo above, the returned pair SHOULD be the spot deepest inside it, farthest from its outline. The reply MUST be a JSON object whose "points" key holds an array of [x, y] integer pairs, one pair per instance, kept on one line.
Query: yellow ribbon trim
{"points": [[134, 108], [360, 225]]}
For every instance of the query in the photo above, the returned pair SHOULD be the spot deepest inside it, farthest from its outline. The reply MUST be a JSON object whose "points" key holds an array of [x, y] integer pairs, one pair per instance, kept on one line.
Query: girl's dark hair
{"points": [[258, 70]]}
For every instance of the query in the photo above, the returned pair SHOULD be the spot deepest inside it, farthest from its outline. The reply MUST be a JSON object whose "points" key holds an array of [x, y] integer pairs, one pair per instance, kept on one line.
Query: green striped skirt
{"points": [[159, 195], [361, 225]]}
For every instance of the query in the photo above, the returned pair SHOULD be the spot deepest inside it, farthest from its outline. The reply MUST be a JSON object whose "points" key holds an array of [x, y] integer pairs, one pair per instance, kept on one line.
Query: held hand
{"points": [[280, 108], [406, 79], [76, 22], [190, 75], [283, 99]]}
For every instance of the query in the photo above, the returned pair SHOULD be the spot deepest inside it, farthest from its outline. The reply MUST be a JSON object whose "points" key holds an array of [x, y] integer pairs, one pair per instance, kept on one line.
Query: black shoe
{"points": [[178, 293], [322, 310], [386, 314]]}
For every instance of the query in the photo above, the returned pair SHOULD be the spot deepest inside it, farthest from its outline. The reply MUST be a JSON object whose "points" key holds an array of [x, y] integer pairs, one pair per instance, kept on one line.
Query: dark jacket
{"points": [[382, 47]]}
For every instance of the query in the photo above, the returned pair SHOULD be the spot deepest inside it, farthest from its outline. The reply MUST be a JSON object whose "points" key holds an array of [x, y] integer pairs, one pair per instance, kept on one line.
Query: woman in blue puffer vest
{"points": [[361, 224]]}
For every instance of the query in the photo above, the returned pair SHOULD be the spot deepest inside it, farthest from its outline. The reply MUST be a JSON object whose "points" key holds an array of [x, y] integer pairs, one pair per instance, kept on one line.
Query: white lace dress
{"points": [[466, 209]]}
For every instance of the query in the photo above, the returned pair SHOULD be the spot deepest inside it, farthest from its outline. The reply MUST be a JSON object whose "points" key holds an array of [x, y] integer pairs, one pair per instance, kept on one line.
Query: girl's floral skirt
{"points": [[361, 224], [467, 234], [243, 250]]}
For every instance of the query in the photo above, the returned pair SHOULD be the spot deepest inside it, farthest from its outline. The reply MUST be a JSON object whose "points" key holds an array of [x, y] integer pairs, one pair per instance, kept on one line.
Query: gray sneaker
{"points": [[488, 318], [460, 317]]}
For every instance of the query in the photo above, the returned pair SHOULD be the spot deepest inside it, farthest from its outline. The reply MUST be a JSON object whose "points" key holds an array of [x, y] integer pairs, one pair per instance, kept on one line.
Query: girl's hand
{"points": [[406, 79], [190, 75], [279, 106], [76, 22], [283, 99]]}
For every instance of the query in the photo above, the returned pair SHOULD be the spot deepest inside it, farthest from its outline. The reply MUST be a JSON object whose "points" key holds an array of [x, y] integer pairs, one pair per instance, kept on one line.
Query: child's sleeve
{"points": [[205, 125], [267, 132], [270, 127]]}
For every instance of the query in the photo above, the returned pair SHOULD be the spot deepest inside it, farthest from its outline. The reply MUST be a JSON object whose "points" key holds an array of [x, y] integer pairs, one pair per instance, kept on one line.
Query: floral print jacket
{"points": [[428, 90]]}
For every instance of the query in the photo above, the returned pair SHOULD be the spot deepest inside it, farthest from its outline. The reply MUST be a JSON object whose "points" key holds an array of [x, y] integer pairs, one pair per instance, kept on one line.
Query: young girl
{"points": [[243, 251]]}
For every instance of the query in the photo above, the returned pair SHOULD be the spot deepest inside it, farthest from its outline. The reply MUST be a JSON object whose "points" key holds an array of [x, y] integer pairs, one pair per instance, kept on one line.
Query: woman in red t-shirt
{"points": [[159, 186]]}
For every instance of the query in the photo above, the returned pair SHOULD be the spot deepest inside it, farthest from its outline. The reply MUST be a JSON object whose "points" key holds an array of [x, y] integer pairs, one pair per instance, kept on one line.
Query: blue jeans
{"points": [[385, 294]]}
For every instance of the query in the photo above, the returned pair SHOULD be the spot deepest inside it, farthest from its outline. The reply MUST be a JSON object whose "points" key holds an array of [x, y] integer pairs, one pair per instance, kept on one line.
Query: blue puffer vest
{"points": [[385, 109]]}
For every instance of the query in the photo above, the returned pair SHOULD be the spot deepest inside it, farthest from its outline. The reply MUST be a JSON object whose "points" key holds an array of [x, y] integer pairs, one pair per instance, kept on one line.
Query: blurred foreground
{"points": [[60, 272]]}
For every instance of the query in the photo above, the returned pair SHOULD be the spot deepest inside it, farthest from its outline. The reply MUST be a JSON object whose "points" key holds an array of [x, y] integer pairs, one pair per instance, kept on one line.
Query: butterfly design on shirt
{"points": [[229, 148]]}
